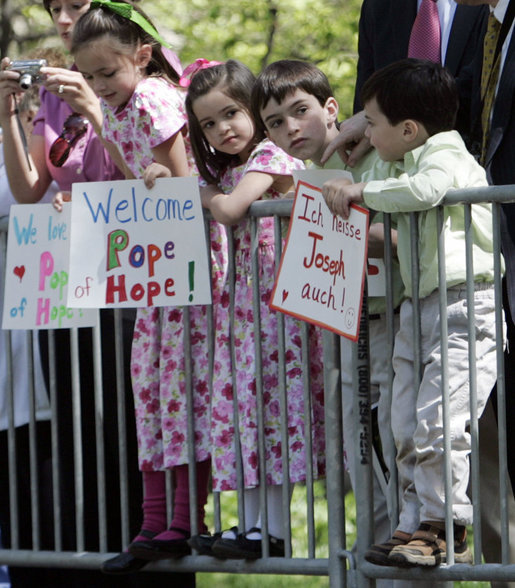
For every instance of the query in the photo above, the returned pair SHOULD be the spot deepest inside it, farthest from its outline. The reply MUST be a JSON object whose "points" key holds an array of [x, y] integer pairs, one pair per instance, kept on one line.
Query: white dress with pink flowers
{"points": [[265, 158], [158, 366]]}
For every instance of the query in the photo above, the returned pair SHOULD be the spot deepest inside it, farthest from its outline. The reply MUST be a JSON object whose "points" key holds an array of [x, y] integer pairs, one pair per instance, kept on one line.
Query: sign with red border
{"points": [[323, 266]]}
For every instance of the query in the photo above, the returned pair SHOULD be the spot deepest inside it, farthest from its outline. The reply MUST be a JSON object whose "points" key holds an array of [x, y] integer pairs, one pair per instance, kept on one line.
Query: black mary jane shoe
{"points": [[243, 548], [123, 563], [203, 542], [156, 549]]}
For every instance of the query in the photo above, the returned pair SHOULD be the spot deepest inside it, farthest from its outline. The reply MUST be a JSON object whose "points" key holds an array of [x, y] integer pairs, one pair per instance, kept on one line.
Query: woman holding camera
{"points": [[69, 110], [65, 147]]}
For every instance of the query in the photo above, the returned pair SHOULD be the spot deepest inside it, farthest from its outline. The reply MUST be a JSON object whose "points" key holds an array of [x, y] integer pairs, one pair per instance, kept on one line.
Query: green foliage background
{"points": [[255, 32]]}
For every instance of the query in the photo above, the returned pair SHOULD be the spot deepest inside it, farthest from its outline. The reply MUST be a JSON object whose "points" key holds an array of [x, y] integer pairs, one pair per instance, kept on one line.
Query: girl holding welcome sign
{"points": [[121, 56]]}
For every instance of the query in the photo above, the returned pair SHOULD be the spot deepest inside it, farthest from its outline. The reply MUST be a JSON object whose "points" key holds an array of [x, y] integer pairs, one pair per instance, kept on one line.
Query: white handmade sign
{"points": [[36, 273], [320, 279], [376, 270], [133, 247]]}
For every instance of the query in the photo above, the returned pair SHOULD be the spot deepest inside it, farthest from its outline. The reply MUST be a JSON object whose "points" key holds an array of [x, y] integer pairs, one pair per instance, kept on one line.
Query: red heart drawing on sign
{"points": [[285, 295], [19, 271], [373, 270]]}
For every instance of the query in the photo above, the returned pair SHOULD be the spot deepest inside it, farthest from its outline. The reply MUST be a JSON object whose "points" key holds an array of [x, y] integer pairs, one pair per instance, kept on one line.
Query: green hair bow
{"points": [[127, 11]]}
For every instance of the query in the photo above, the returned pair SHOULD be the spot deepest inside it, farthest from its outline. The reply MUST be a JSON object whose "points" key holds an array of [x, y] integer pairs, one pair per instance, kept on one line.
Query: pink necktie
{"points": [[424, 41]]}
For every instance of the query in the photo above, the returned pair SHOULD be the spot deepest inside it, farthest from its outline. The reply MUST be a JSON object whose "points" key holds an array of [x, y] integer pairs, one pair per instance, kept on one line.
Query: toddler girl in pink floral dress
{"points": [[241, 167]]}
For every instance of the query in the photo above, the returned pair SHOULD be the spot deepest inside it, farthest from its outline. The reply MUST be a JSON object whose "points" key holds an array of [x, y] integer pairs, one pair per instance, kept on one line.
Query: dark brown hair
{"points": [[235, 80], [284, 77], [100, 20], [415, 89]]}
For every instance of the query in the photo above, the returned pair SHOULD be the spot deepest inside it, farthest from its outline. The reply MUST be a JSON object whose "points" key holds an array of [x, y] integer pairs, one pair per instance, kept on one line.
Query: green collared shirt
{"points": [[419, 183], [376, 304]]}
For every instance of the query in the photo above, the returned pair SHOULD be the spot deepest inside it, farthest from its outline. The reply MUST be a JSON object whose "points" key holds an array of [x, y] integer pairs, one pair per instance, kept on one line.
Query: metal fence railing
{"points": [[87, 441]]}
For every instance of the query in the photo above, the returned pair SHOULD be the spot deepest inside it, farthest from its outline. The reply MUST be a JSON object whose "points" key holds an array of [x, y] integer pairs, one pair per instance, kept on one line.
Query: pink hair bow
{"points": [[193, 68]]}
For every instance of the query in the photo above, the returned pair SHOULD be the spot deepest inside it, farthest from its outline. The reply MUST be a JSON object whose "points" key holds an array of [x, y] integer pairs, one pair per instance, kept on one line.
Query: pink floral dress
{"points": [[158, 369], [266, 158]]}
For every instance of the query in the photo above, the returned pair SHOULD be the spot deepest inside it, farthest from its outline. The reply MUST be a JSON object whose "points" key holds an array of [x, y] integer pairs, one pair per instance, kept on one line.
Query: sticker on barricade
{"points": [[134, 247], [322, 271], [36, 271]]}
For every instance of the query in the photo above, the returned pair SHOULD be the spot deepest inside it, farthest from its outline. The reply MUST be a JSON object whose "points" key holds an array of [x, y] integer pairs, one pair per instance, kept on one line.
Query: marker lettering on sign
{"points": [[56, 231], [147, 210], [25, 235], [335, 267], [312, 214], [346, 228], [317, 294]]}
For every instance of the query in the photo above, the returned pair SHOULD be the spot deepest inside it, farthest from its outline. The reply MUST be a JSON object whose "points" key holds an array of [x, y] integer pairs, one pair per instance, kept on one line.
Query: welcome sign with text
{"points": [[133, 247], [322, 271], [36, 271]]}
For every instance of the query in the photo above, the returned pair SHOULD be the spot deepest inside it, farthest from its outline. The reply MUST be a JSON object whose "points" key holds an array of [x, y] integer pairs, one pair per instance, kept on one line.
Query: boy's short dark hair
{"points": [[284, 77], [415, 89]]}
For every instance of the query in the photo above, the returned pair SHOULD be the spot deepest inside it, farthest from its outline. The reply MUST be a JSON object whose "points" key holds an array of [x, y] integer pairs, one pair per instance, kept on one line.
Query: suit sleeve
{"points": [[366, 65]]}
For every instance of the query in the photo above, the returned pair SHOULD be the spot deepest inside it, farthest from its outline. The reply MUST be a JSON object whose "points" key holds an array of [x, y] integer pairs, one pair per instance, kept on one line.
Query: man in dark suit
{"points": [[384, 32], [499, 161]]}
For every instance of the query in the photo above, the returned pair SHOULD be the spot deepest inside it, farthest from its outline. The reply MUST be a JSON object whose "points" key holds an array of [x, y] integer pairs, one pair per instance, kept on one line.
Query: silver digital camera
{"points": [[28, 70]]}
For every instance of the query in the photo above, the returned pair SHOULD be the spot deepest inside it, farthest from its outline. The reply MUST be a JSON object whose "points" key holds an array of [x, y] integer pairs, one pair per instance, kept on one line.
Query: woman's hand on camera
{"points": [[72, 88], [9, 88]]}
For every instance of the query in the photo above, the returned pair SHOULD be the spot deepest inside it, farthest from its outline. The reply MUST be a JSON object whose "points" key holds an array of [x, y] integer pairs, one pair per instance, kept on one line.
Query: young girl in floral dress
{"points": [[120, 54], [241, 167]]}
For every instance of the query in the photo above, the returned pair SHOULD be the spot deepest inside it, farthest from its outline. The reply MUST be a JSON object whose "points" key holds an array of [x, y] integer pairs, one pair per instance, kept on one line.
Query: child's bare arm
{"points": [[340, 193], [376, 239], [153, 171], [229, 209]]}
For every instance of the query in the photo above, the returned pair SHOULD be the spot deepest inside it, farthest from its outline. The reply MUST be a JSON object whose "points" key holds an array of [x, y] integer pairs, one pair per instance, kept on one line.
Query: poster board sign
{"points": [[135, 247], [322, 271], [36, 272], [376, 270]]}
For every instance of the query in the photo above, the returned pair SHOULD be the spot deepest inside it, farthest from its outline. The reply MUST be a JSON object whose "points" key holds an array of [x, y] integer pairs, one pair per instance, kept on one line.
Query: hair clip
{"points": [[193, 68], [125, 10]]}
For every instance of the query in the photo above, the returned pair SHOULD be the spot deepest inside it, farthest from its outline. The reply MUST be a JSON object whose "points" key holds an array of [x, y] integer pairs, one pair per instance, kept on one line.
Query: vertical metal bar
{"points": [[256, 304], [283, 403], [192, 470], [363, 439], [240, 484], [33, 449], [56, 461], [474, 427], [442, 297], [121, 410], [308, 437], [415, 284], [11, 444], [335, 461], [77, 440], [387, 437], [99, 433]]}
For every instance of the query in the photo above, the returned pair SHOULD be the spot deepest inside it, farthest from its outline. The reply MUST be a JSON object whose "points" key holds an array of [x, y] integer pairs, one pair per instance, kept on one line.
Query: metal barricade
{"points": [[343, 565]]}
